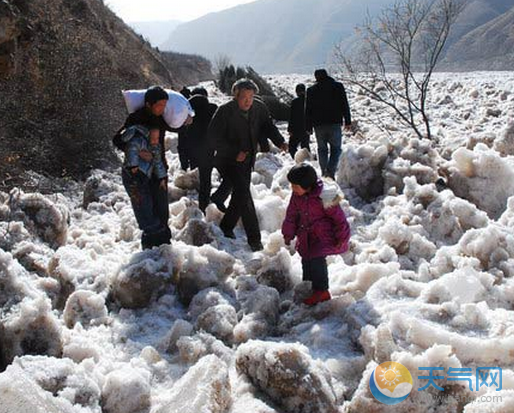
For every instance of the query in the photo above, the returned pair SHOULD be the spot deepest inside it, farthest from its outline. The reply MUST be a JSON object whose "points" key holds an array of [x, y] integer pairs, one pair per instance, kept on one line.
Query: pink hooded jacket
{"points": [[318, 221]]}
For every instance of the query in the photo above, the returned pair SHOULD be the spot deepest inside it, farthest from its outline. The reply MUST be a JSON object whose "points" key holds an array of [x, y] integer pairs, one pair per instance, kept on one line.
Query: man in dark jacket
{"points": [[296, 127], [234, 132], [201, 153], [325, 107], [269, 132], [150, 116]]}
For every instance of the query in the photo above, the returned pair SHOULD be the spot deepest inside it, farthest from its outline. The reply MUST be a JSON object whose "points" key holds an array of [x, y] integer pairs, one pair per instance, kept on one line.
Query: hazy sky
{"points": [[147, 10]]}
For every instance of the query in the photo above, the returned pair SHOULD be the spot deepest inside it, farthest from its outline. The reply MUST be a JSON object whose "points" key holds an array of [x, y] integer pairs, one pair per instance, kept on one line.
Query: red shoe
{"points": [[317, 297]]}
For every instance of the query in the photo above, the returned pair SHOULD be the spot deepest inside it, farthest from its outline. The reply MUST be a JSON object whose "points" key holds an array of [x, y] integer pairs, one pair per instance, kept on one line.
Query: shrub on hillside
{"points": [[229, 74]]}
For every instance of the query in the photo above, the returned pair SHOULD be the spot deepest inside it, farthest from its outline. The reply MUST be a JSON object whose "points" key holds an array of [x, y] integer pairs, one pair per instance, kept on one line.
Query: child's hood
{"points": [[330, 194], [133, 131]]}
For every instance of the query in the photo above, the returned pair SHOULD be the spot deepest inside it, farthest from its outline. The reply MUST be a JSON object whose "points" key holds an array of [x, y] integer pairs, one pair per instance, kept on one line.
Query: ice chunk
{"points": [[180, 328], [45, 217], [20, 394], [205, 388], [259, 308], [203, 267], [288, 375], [126, 391], [193, 348], [85, 307], [196, 232], [145, 277], [219, 321], [483, 177], [31, 328], [361, 168], [505, 144]]}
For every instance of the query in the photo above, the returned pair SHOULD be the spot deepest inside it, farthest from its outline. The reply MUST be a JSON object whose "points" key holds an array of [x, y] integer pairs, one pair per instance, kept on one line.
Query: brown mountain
{"points": [[476, 13], [488, 47], [299, 35], [275, 35], [62, 66]]}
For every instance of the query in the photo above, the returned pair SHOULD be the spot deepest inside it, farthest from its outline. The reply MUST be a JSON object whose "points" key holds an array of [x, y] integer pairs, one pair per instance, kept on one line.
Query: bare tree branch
{"points": [[400, 50]]}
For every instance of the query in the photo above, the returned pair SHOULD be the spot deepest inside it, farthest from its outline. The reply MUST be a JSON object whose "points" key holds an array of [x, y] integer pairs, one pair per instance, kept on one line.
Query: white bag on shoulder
{"points": [[176, 112]]}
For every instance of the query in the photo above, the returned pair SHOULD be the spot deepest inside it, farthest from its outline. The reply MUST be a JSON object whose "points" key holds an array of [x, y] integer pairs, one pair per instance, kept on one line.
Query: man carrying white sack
{"points": [[150, 115]]}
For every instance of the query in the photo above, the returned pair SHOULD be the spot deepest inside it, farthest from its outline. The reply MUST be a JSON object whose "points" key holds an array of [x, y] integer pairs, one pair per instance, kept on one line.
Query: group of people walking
{"points": [[228, 138]]}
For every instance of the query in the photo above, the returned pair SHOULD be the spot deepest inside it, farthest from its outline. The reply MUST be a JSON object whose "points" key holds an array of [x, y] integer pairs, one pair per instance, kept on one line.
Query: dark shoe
{"points": [[317, 297], [146, 242], [229, 234], [163, 237], [220, 205], [256, 246], [156, 239]]}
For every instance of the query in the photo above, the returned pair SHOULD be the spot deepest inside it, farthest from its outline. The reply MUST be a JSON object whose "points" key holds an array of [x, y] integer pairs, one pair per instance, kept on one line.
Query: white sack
{"points": [[176, 112]]}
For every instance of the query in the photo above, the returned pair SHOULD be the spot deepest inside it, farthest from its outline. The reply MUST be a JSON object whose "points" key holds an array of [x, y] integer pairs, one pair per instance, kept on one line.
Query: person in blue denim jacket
{"points": [[136, 175], [139, 138]]}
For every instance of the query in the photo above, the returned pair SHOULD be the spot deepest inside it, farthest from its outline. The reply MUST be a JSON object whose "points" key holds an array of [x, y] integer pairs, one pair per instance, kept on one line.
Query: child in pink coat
{"points": [[316, 219]]}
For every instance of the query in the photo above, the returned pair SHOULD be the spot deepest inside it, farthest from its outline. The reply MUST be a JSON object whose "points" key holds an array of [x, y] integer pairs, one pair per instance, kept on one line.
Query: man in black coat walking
{"points": [[201, 152], [269, 132], [325, 107], [234, 132], [296, 127]]}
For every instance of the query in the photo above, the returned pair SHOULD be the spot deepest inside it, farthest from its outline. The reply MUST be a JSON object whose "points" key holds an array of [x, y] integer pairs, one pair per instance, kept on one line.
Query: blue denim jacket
{"points": [[137, 138]]}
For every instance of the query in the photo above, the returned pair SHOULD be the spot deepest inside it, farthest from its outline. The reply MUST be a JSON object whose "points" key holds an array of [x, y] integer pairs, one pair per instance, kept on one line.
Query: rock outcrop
{"points": [[62, 67]]}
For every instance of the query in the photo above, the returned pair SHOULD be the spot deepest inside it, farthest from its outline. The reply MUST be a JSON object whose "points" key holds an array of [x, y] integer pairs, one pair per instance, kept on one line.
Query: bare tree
{"points": [[221, 61], [400, 50]]}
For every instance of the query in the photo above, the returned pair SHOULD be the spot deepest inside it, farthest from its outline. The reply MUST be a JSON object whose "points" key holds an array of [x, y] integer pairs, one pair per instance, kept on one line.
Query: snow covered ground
{"points": [[90, 324]]}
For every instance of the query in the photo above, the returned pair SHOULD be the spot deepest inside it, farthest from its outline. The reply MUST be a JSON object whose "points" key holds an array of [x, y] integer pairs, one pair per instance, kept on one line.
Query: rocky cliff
{"points": [[62, 67]]}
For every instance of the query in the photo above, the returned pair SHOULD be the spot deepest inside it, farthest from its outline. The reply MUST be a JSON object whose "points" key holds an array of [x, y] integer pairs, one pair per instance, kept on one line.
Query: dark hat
{"points": [[304, 175], [199, 91], [154, 94], [185, 92], [320, 74]]}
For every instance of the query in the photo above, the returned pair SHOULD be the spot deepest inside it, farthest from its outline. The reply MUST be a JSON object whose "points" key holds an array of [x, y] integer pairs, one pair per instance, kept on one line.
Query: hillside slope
{"points": [[488, 47], [274, 35], [62, 67], [299, 35]]}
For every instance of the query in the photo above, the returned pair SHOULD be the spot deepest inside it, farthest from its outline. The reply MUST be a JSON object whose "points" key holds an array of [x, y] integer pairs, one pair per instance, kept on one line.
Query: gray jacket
{"points": [[136, 138]]}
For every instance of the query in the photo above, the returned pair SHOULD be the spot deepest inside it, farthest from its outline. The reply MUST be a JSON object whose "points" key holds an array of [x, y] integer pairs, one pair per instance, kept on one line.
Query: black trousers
{"points": [[160, 201], [223, 192], [204, 193], [298, 138], [186, 152], [238, 176], [316, 271]]}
